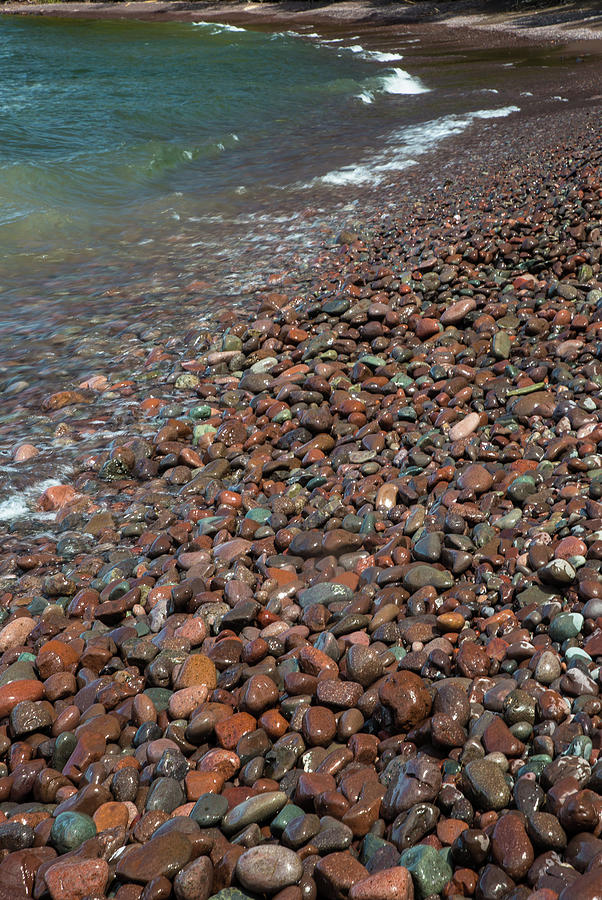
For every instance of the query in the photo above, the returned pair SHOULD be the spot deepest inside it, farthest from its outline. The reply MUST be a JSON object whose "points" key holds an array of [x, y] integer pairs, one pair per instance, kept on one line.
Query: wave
{"points": [[381, 56], [375, 55], [406, 144], [365, 97], [401, 82], [22, 504], [218, 26]]}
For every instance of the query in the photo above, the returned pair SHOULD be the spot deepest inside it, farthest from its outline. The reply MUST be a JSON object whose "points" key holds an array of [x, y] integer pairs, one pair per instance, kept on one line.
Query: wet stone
{"points": [[268, 868]]}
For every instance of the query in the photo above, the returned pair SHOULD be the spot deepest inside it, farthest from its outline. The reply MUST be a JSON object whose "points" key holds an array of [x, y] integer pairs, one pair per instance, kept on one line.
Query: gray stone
{"points": [[268, 868]]}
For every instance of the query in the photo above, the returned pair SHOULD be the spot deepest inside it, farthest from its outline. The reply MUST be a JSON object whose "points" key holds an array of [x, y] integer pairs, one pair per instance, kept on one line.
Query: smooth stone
{"points": [[70, 829], [254, 810], [565, 626], [268, 868], [388, 884], [424, 576], [429, 870], [209, 810], [324, 593], [486, 784], [164, 855]]}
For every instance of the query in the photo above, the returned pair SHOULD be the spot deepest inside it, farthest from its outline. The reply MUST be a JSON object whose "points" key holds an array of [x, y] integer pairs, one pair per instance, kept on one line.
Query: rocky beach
{"points": [[310, 607]]}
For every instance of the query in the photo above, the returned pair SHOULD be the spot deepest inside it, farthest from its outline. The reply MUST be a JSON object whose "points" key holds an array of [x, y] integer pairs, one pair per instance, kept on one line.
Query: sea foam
{"points": [[404, 145], [218, 26], [398, 81], [22, 504]]}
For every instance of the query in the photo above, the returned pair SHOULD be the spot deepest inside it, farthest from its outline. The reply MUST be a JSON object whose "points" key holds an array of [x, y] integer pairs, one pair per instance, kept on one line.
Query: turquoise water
{"points": [[105, 124], [133, 150]]}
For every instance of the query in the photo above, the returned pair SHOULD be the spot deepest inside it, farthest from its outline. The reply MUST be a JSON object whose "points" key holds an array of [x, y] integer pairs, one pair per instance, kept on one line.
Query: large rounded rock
{"points": [[485, 783], [268, 868], [408, 698]]}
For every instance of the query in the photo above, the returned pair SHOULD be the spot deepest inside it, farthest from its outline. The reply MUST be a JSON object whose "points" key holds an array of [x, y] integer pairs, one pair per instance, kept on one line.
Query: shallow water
{"points": [[123, 143], [152, 176]]}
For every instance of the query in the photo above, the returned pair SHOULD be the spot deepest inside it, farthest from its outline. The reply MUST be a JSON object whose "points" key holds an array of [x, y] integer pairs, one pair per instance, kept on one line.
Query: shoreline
{"points": [[317, 612], [540, 25], [345, 549]]}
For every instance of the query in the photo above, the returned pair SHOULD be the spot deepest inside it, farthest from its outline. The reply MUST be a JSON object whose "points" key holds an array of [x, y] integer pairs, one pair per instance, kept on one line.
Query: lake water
{"points": [[152, 174], [124, 143]]}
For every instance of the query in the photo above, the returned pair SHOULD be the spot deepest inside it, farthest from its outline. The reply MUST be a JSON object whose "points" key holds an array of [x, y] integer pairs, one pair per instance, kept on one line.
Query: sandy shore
{"points": [[496, 22]]}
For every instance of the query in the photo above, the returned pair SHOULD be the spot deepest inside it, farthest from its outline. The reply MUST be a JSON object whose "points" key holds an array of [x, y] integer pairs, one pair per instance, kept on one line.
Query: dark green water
{"points": [[104, 125], [124, 145]]}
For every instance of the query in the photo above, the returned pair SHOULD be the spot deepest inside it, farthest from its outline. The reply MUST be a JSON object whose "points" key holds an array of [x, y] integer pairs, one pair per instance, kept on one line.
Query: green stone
{"points": [[402, 380], [368, 524], [18, 671], [337, 306], [114, 470], [231, 342], [232, 894], [259, 514], [203, 411], [535, 594], [324, 593], [37, 606], [373, 361], [585, 273], [27, 658], [519, 706], [70, 829], [501, 345], [187, 380], [370, 845], [209, 810], [199, 430], [580, 746], [509, 520], [63, 748], [565, 626], [160, 697], [522, 730], [521, 488], [286, 815], [211, 525], [536, 765], [427, 576], [430, 872], [318, 481], [284, 415], [579, 652]]}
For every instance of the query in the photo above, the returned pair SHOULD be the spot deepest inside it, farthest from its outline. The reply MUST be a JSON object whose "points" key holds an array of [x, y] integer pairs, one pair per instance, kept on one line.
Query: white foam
{"points": [[348, 175], [401, 82], [365, 97], [379, 56], [219, 26], [354, 48], [489, 91], [562, 99], [526, 94], [22, 504], [404, 145]]}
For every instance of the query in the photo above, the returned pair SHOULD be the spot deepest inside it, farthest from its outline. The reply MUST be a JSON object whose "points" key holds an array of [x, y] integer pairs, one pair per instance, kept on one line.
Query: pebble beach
{"points": [[310, 607]]}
